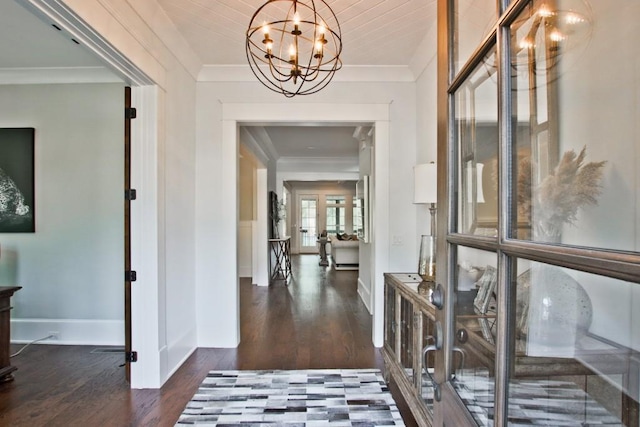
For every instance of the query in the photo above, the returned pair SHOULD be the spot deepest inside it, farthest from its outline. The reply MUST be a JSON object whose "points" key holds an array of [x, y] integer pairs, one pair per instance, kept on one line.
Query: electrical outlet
{"points": [[54, 335]]}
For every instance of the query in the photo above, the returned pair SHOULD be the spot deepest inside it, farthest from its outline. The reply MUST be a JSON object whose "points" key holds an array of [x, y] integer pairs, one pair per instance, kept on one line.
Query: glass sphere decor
{"points": [[553, 311]]}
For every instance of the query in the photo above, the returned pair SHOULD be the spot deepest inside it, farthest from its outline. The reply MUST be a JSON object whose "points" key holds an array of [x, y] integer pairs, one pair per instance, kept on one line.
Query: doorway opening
{"points": [[238, 116]]}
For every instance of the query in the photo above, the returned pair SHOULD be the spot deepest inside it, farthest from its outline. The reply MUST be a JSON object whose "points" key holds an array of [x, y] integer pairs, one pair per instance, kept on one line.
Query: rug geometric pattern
{"points": [[304, 398]]}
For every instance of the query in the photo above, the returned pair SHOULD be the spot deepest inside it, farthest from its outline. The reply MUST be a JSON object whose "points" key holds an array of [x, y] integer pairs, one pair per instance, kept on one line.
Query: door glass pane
{"points": [[390, 318], [336, 214], [576, 97], [577, 348], [308, 220], [477, 139], [475, 332], [406, 337], [472, 21]]}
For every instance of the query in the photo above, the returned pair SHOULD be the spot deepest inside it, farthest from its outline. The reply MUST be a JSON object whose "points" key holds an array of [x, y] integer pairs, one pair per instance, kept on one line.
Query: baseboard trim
{"points": [[365, 295], [70, 331], [179, 351], [180, 363], [340, 267]]}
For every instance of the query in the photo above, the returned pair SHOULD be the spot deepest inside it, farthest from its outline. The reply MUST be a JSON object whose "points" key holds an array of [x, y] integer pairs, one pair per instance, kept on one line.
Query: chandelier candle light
{"points": [[299, 53]]}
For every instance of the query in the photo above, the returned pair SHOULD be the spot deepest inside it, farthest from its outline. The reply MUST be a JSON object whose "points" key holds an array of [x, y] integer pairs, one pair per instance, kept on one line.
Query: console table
{"points": [[281, 269], [6, 292], [409, 331]]}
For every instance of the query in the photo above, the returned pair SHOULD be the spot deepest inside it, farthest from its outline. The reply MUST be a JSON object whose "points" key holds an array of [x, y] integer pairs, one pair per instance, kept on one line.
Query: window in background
{"points": [[336, 214], [357, 216]]}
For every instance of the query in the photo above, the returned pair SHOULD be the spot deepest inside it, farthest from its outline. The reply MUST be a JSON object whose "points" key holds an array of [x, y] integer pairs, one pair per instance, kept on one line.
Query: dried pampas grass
{"points": [[556, 201]]}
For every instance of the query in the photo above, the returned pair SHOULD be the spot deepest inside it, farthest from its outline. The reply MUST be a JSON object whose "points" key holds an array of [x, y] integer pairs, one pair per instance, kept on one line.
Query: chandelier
{"points": [[547, 31], [293, 46]]}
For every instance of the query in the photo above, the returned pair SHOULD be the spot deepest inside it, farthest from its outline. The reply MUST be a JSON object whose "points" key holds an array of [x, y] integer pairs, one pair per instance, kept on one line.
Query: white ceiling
{"points": [[310, 141], [374, 32]]}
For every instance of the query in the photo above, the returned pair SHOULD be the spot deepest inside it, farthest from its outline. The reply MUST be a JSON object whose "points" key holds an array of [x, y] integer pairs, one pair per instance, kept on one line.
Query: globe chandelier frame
{"points": [[297, 54]]}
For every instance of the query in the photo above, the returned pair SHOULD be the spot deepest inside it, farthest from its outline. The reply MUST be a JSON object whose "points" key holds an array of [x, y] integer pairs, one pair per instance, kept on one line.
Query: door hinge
{"points": [[130, 276], [130, 194], [131, 356], [130, 113]]}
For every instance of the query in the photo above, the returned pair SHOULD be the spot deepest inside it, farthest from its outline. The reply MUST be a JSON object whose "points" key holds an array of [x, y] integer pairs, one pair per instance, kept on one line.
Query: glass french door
{"points": [[308, 223], [539, 219]]}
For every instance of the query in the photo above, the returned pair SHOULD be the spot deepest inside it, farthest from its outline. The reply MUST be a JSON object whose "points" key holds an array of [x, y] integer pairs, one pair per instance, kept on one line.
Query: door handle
{"points": [[462, 358], [437, 394], [437, 345], [426, 351]]}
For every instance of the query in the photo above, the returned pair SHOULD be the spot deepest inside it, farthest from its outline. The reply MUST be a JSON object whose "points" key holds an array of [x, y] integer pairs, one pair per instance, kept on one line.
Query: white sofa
{"points": [[344, 253]]}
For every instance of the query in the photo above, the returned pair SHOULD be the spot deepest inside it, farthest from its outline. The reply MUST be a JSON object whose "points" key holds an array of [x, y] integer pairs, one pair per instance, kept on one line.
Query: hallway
{"points": [[317, 321]]}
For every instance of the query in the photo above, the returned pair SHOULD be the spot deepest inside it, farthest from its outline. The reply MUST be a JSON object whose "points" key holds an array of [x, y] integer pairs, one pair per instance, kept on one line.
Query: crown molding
{"points": [[66, 75], [348, 73]]}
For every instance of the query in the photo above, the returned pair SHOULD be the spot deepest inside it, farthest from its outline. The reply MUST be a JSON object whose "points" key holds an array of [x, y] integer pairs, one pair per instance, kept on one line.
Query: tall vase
{"points": [[427, 258], [553, 311]]}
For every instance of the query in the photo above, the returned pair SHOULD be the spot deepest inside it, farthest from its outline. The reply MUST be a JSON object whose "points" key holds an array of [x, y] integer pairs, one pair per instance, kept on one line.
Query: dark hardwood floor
{"points": [[318, 321]]}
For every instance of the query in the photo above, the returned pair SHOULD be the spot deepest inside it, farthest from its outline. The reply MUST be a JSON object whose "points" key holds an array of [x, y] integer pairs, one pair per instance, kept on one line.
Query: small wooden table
{"points": [[6, 292], [281, 269]]}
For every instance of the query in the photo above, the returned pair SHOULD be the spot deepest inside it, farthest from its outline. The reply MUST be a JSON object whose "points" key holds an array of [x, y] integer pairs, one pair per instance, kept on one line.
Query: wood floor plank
{"points": [[317, 321]]}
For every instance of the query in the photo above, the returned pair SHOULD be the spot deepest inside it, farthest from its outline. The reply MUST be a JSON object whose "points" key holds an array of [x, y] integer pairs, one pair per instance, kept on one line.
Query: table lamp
{"points": [[425, 192]]}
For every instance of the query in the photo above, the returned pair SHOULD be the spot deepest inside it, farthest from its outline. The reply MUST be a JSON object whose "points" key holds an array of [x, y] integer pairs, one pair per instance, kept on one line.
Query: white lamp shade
{"points": [[425, 188], [479, 192]]}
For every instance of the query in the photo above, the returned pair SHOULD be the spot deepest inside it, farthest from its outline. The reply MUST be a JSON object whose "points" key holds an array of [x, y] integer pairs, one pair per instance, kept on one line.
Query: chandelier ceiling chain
{"points": [[298, 53]]}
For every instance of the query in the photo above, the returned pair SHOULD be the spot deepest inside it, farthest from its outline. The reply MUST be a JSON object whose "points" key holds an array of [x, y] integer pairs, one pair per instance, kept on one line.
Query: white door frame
{"points": [[235, 114]]}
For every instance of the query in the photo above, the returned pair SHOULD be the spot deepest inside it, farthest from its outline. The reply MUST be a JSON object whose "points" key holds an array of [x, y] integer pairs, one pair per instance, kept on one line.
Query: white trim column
{"points": [[380, 226], [145, 310]]}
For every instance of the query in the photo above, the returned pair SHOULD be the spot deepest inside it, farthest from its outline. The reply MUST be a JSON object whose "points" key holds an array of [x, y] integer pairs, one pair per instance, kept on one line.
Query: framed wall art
{"points": [[17, 191]]}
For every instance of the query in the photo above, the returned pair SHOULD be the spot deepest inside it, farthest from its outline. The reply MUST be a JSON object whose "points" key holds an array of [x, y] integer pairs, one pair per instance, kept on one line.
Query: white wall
{"points": [[71, 268], [603, 115], [426, 146], [246, 212], [179, 223], [245, 248]]}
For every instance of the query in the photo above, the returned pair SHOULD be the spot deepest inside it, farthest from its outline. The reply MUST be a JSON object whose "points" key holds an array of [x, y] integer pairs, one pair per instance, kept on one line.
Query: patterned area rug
{"points": [[333, 397]]}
